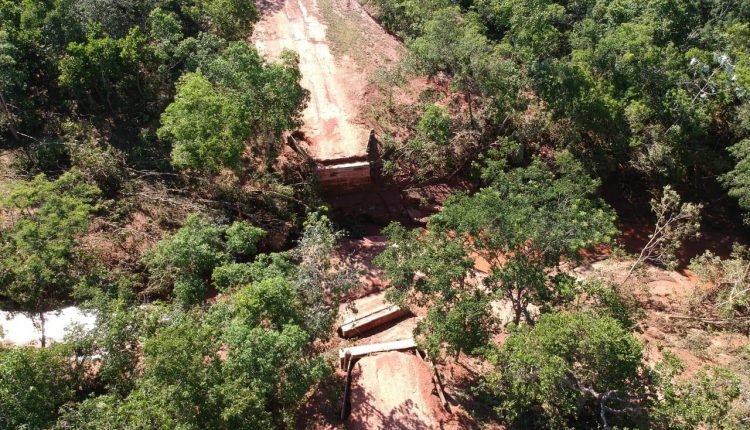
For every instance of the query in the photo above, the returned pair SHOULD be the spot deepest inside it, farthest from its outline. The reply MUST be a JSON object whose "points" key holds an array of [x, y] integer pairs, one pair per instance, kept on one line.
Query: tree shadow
{"points": [[324, 404], [268, 7], [474, 400]]}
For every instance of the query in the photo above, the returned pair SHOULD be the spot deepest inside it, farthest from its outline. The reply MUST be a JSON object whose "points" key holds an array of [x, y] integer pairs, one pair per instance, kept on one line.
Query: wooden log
{"points": [[376, 318], [346, 404], [350, 354], [437, 380]]}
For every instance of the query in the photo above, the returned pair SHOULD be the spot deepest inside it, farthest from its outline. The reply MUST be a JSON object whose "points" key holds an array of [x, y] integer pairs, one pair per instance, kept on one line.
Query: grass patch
{"points": [[346, 32]]}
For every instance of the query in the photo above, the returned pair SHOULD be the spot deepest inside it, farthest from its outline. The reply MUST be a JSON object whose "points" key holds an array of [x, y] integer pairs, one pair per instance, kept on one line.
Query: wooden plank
{"points": [[346, 355], [346, 404], [372, 320], [437, 381], [335, 177]]}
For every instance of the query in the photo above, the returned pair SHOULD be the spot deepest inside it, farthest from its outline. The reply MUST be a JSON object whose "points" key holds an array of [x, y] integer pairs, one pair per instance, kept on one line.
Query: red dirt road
{"points": [[336, 87]]}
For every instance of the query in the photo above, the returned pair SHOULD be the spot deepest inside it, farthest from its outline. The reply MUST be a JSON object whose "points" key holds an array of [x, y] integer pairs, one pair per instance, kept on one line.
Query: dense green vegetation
{"points": [[144, 177], [39, 259], [521, 224], [586, 369], [651, 91], [112, 108], [564, 365], [649, 99], [247, 361]]}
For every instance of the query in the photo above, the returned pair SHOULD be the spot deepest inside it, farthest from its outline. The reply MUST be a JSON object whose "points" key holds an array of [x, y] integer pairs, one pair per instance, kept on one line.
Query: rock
{"points": [[655, 333], [417, 215], [412, 197]]}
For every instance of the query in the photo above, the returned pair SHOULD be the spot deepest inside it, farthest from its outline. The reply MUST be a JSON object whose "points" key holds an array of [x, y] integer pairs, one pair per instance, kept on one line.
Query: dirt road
{"points": [[336, 85]]}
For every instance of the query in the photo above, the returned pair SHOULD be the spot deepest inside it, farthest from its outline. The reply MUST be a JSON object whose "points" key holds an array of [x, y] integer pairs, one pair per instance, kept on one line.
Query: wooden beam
{"points": [[347, 355], [346, 404], [376, 318], [437, 380]]}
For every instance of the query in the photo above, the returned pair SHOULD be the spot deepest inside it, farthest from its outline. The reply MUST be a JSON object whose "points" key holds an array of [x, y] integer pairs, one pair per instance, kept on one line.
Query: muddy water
{"points": [[19, 329]]}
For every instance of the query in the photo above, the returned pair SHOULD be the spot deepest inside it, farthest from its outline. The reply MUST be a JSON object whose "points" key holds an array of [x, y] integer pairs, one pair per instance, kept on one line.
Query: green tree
{"points": [[271, 301], [12, 82], [242, 238], [95, 158], [267, 375], [207, 127], [166, 32], [455, 44], [183, 263], [544, 375], [38, 247], [114, 347], [430, 269], [237, 364], [521, 225], [703, 401], [264, 266], [198, 52], [239, 101], [464, 326], [34, 384], [532, 26], [318, 282], [407, 17], [525, 222], [270, 93], [737, 181], [229, 19], [231, 276], [431, 152], [117, 17], [435, 125], [103, 67]]}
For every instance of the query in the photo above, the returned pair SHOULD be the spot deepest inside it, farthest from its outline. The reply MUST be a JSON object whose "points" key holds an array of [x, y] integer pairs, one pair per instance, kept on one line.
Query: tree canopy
{"points": [[543, 374], [521, 225], [238, 101], [39, 255]]}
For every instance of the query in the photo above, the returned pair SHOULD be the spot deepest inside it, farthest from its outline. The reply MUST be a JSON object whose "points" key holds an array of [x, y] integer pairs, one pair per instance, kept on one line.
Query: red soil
{"points": [[393, 390], [336, 86], [360, 253]]}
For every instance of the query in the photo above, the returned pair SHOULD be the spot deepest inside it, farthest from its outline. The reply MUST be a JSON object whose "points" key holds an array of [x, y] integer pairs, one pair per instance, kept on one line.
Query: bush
{"points": [[543, 375], [231, 276], [269, 302], [243, 238], [184, 261], [34, 384]]}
